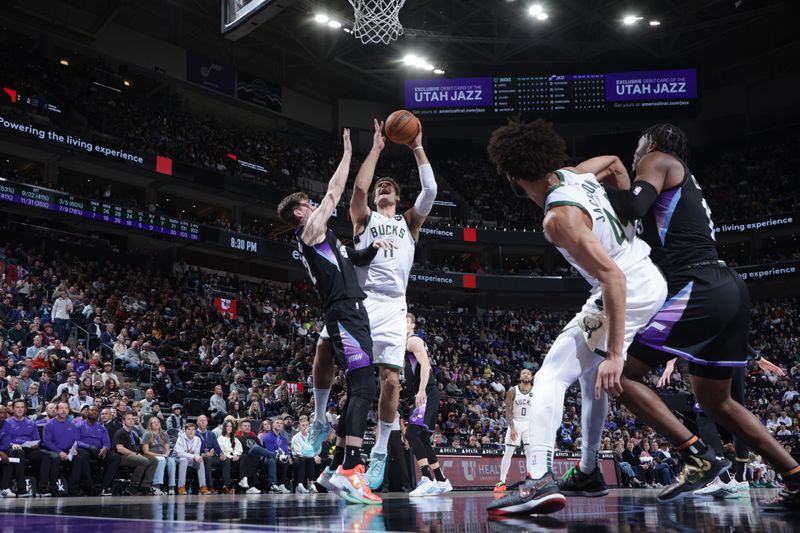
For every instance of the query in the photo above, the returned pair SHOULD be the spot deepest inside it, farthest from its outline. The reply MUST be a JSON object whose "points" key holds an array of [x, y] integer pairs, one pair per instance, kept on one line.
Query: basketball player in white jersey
{"points": [[519, 408], [627, 289], [385, 282], [385, 279]]}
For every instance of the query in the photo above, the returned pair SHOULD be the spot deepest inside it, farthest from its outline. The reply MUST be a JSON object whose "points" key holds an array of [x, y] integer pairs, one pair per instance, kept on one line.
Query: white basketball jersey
{"points": [[523, 406], [388, 272], [619, 239]]}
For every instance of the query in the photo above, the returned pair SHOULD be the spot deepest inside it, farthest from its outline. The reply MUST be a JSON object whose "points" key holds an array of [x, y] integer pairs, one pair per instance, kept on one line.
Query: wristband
{"points": [[418, 148]]}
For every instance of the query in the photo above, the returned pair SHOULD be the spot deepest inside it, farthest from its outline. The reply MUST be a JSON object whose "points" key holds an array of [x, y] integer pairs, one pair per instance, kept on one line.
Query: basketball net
{"points": [[377, 21]]}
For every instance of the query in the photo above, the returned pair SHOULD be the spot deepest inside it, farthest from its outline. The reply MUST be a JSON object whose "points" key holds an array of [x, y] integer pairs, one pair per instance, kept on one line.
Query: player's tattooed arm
{"points": [[510, 408], [317, 223], [359, 206]]}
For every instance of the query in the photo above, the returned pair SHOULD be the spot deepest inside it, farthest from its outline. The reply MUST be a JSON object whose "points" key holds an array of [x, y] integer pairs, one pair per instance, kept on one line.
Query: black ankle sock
{"points": [[426, 471], [338, 457], [352, 457], [793, 481], [697, 447], [439, 475], [740, 466]]}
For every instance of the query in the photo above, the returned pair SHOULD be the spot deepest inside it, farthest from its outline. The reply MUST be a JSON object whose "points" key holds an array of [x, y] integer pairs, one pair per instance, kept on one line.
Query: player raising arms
{"points": [[386, 278], [706, 319], [519, 408], [626, 290], [331, 271]]}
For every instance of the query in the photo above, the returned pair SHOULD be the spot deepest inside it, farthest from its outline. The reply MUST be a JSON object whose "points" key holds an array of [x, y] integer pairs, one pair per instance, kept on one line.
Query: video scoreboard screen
{"points": [[558, 93]]}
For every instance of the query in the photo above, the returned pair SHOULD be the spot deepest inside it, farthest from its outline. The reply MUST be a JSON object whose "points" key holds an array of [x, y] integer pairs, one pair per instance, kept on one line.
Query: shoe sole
{"points": [[551, 503], [711, 474], [585, 493]]}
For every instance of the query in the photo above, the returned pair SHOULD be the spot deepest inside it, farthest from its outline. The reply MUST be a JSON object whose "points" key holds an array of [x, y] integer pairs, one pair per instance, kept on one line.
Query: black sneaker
{"points": [[534, 496], [576, 483], [787, 501], [699, 471]]}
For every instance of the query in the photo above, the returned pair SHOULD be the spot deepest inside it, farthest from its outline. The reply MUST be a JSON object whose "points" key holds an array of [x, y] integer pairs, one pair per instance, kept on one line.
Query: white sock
{"points": [[540, 459], [321, 403], [593, 419], [505, 464], [385, 429]]}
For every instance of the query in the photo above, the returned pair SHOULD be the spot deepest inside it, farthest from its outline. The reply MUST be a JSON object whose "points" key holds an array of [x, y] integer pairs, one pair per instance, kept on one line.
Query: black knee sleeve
{"points": [[341, 426], [429, 449], [414, 436], [362, 383]]}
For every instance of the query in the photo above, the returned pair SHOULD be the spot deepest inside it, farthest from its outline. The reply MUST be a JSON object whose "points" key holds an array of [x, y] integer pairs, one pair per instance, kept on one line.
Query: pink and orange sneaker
{"points": [[352, 486]]}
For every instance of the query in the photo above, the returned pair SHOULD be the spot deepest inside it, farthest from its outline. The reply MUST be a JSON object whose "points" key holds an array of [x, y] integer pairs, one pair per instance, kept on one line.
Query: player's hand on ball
{"points": [[382, 244], [608, 377], [378, 140]]}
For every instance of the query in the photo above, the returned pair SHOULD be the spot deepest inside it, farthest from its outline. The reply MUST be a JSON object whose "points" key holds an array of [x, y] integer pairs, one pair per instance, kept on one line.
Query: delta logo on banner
{"points": [[226, 307]]}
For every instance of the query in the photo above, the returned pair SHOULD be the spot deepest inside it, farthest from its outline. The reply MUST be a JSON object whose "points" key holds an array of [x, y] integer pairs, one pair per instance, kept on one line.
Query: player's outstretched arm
{"points": [[364, 257], [417, 347], [568, 227], [607, 169], [317, 223], [415, 216], [359, 206]]}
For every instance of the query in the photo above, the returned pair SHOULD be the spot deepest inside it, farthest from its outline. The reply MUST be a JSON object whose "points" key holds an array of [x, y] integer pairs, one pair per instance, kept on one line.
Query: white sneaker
{"points": [[727, 490], [324, 479], [172, 491], [301, 489], [709, 489], [282, 488], [743, 489], [444, 486], [312, 488], [156, 491], [253, 490], [7, 493], [425, 487], [243, 483]]}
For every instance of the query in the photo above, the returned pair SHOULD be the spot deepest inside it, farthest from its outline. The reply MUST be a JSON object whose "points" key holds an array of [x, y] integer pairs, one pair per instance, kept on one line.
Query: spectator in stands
{"points": [[7, 468], [3, 379], [210, 451], [93, 373], [149, 398], [231, 448], [133, 359], [71, 386], [34, 401], [24, 431], [155, 412], [218, 408], [62, 309], [76, 403], [278, 457], [17, 334], [11, 392], [47, 389], [156, 445], [109, 375], [94, 443], [176, 420], [59, 437], [187, 453], [33, 350], [127, 444], [304, 466]]}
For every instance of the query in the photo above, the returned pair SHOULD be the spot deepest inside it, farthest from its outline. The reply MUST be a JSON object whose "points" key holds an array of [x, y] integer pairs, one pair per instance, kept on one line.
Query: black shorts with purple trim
{"points": [[705, 320], [348, 327], [425, 416]]}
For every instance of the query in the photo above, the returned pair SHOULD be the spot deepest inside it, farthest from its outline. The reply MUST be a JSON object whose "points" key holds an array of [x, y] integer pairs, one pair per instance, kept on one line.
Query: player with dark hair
{"points": [[706, 318], [330, 269], [424, 396], [626, 290]]}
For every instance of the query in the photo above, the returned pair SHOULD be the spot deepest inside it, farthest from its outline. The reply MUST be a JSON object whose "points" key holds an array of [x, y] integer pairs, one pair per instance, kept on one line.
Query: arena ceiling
{"points": [[729, 40]]}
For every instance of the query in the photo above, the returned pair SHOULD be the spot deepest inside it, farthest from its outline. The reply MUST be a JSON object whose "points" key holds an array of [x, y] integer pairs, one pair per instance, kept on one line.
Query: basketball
{"points": [[401, 127]]}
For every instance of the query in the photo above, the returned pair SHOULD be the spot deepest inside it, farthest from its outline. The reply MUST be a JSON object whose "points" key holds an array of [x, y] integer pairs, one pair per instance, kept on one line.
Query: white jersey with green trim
{"points": [[387, 274], [523, 405], [617, 237]]}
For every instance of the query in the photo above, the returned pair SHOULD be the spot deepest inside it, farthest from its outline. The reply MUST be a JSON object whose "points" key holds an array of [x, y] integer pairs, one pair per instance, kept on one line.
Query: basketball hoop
{"points": [[377, 21]]}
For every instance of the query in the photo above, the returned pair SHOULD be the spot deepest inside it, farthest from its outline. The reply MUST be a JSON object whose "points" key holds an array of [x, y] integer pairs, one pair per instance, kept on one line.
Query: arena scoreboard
{"points": [[559, 93], [51, 200]]}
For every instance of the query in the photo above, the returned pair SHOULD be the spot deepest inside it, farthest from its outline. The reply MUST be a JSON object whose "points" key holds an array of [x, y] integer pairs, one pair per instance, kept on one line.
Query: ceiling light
{"points": [[541, 16], [64, 61], [410, 59], [347, 30], [535, 9], [126, 83], [321, 18], [428, 66], [438, 71], [335, 24], [655, 23], [631, 19]]}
